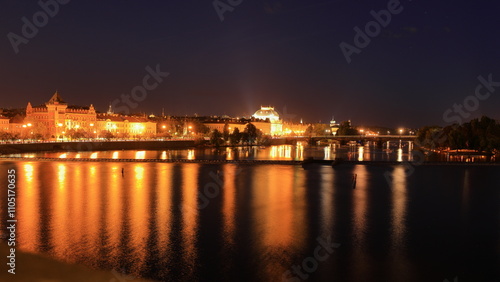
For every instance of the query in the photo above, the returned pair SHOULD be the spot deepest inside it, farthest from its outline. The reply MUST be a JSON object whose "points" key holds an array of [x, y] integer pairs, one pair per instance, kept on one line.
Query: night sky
{"points": [[280, 53]]}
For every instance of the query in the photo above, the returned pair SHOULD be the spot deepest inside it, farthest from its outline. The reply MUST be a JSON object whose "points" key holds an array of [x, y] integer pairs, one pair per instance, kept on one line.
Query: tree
{"points": [[199, 128], [107, 135], [216, 138], [320, 129], [251, 133], [225, 131], [345, 128], [309, 131], [482, 135], [77, 133], [235, 137]]}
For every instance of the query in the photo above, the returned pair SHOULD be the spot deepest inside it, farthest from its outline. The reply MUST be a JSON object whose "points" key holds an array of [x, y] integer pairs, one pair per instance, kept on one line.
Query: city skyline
{"points": [[425, 60]]}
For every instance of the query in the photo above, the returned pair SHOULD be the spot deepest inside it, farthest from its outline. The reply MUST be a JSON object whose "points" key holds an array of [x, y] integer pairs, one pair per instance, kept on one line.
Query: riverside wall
{"points": [[95, 146]]}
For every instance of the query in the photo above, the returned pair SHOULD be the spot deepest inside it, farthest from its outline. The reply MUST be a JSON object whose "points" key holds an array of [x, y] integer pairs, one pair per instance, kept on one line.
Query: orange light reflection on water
{"points": [[138, 213], [228, 210], [164, 206], [279, 214], [190, 212], [30, 197]]}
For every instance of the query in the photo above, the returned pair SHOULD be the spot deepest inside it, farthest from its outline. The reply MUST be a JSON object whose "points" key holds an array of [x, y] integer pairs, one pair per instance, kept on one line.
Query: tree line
{"points": [[482, 135]]}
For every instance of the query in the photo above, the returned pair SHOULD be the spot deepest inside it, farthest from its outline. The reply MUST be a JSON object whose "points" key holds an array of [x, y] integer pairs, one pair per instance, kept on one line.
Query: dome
{"points": [[267, 113]]}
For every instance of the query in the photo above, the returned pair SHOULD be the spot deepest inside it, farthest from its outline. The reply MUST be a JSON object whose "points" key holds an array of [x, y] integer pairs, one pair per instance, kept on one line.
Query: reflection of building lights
{"points": [[327, 153], [361, 152], [61, 175], [190, 154], [140, 155]]}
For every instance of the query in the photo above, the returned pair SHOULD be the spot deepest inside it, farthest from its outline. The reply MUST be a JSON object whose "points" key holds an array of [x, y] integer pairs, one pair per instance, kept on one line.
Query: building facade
{"points": [[57, 120]]}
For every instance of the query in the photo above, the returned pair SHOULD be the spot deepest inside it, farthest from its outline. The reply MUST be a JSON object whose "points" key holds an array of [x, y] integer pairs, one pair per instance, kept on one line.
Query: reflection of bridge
{"points": [[377, 138]]}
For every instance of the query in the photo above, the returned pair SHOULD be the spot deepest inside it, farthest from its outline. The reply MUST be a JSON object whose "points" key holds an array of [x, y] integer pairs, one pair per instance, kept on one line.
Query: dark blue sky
{"points": [[280, 53]]}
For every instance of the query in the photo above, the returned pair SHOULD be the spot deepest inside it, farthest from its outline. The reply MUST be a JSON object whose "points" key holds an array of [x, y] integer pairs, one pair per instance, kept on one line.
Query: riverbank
{"points": [[246, 161], [95, 146]]}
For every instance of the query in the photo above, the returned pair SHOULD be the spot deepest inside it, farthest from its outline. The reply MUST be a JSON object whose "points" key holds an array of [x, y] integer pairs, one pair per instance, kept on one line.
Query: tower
{"points": [[110, 110]]}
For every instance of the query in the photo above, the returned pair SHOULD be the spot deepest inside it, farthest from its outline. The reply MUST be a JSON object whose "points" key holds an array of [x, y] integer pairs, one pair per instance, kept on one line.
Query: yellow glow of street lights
{"points": [[60, 124], [164, 127], [29, 124]]}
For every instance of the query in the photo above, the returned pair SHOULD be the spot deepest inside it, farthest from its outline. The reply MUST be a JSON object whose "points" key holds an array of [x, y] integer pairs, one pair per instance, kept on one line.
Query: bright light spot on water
{"points": [[61, 174], [140, 155], [190, 155], [139, 172], [327, 153], [361, 152], [28, 171]]}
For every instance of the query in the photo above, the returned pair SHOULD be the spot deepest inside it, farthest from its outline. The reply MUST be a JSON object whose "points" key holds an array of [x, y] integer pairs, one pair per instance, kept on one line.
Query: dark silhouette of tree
{"points": [[346, 129], [481, 134], [200, 128], [216, 138], [107, 135], [251, 133], [309, 131], [235, 137], [225, 131], [320, 129]]}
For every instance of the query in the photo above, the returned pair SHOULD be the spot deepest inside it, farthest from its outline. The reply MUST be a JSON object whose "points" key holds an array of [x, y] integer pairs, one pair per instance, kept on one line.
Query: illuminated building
{"points": [[231, 126], [334, 126], [294, 129], [266, 120], [4, 123], [57, 120], [274, 126], [126, 126]]}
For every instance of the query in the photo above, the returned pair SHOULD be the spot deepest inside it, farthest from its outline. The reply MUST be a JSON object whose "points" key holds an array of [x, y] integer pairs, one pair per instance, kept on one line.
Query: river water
{"points": [[219, 222]]}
